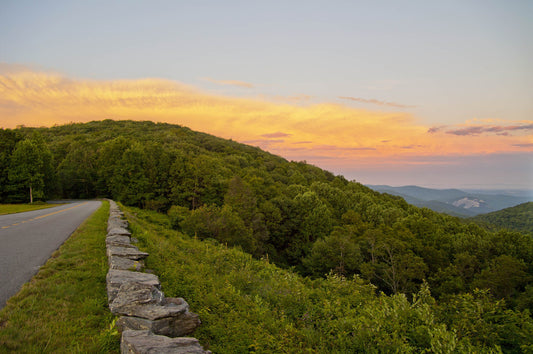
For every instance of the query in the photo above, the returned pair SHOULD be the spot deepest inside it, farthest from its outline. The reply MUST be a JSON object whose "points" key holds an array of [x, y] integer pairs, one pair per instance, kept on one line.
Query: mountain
{"points": [[292, 214], [518, 218], [464, 203]]}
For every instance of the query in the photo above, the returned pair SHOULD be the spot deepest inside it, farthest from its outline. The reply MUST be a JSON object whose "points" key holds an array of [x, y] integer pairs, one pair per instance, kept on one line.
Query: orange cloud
{"points": [[329, 132], [276, 135]]}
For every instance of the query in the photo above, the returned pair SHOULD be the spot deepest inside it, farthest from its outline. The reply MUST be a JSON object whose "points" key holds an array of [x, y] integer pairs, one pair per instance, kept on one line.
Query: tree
{"points": [[505, 277], [28, 167], [222, 224], [337, 252], [109, 156], [240, 197], [391, 263], [315, 217], [197, 180], [77, 172], [8, 141], [130, 183]]}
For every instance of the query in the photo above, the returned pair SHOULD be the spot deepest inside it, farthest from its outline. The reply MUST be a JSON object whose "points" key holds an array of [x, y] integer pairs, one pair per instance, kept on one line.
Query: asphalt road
{"points": [[28, 239]]}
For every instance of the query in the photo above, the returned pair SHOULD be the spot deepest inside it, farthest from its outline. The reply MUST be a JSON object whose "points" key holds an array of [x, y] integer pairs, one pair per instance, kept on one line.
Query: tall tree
{"points": [[27, 167], [8, 141]]}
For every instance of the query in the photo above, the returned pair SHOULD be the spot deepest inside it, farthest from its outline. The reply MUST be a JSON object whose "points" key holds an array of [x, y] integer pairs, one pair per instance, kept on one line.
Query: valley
{"points": [[463, 203]]}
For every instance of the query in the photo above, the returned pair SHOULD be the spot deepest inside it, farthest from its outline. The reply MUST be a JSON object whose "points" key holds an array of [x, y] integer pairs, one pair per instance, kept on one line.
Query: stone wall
{"points": [[149, 321]]}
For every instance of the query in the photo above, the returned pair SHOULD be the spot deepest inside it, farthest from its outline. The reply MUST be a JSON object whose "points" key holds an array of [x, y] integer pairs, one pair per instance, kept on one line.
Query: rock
{"points": [[131, 295], [146, 301], [145, 307], [130, 251], [150, 311], [117, 229], [118, 240], [115, 224], [146, 342], [116, 262], [116, 277], [116, 214], [169, 326]]}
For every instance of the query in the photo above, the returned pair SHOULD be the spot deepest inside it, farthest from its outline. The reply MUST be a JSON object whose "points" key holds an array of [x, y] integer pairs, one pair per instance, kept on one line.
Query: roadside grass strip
{"points": [[20, 208], [63, 309]]}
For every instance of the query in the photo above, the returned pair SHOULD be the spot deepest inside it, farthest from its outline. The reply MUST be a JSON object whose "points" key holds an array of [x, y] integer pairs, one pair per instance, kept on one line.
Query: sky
{"points": [[430, 93]]}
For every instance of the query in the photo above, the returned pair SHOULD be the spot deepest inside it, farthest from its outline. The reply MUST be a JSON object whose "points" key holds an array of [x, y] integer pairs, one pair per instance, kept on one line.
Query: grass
{"points": [[20, 208], [63, 309]]}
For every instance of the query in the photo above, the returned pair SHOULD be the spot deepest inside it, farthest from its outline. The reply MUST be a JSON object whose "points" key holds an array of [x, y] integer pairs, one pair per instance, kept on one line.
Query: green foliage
{"points": [[338, 252], [482, 322], [29, 165], [222, 224], [177, 215], [504, 276], [252, 305], [517, 218], [77, 172], [8, 141]]}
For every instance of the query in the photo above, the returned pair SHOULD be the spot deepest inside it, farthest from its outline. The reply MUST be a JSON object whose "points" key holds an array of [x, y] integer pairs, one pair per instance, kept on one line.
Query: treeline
{"points": [[295, 214]]}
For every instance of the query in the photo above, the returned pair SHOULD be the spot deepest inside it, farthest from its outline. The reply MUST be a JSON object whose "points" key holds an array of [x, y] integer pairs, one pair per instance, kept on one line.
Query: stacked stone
{"points": [[149, 321]]}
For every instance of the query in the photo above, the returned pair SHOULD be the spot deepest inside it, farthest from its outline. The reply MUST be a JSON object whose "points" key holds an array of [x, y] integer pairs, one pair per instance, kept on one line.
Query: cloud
{"points": [[339, 148], [376, 102], [230, 83], [413, 146], [262, 142], [276, 135], [498, 129], [336, 133], [435, 129], [525, 145]]}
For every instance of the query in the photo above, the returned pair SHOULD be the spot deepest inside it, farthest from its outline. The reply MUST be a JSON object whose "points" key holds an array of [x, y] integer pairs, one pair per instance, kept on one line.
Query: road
{"points": [[28, 239]]}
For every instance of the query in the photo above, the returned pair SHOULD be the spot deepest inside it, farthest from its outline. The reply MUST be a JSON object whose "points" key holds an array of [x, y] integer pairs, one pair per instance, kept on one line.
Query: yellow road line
{"points": [[59, 211], [44, 216]]}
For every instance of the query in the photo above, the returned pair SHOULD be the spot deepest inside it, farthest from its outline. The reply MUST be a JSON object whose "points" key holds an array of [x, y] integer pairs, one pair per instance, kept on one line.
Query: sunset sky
{"points": [[437, 94]]}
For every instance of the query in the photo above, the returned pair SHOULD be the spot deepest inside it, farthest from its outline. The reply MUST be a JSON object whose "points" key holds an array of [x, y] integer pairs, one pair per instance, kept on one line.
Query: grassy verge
{"points": [[63, 309], [20, 208]]}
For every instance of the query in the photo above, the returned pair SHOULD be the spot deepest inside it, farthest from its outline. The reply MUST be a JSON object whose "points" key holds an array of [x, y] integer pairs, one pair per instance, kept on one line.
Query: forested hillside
{"points": [[295, 214], [519, 218]]}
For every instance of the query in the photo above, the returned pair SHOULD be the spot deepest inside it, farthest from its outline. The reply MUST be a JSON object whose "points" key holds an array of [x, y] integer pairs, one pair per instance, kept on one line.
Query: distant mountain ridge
{"points": [[518, 218], [456, 202]]}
